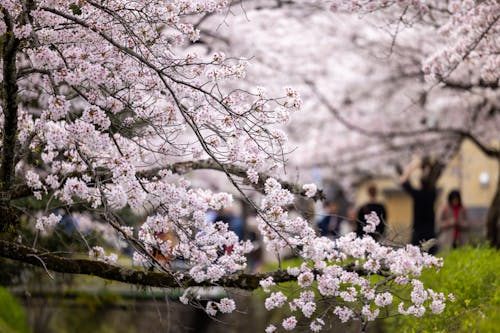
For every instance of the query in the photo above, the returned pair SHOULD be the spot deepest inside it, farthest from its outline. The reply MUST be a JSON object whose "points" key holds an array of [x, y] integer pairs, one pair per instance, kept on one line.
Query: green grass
{"points": [[12, 316], [473, 276]]}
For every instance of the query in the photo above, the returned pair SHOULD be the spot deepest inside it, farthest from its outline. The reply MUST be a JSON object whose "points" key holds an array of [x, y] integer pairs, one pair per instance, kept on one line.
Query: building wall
{"points": [[462, 173]]}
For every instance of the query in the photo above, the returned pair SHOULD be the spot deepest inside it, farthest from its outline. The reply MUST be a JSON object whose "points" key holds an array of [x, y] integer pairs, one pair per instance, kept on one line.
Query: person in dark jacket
{"points": [[424, 200], [236, 224], [372, 206], [329, 225], [334, 208]]}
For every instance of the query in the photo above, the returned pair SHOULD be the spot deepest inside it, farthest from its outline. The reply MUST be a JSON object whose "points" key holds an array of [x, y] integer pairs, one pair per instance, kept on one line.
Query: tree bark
{"points": [[9, 48], [493, 218], [107, 271]]}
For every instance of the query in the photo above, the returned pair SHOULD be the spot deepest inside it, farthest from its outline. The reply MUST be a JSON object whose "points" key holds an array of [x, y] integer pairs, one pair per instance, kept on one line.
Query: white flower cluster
{"points": [[97, 252], [310, 190], [469, 29], [372, 221], [324, 279], [225, 305], [276, 300], [266, 284], [278, 230], [45, 223]]}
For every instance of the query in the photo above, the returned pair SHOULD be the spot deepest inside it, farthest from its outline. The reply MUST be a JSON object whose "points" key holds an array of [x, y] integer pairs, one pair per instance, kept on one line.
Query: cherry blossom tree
{"points": [[407, 77], [455, 54], [104, 106]]}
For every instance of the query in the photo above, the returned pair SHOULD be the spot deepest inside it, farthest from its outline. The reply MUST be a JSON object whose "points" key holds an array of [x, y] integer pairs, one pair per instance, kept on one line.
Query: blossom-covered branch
{"points": [[136, 276], [180, 168]]}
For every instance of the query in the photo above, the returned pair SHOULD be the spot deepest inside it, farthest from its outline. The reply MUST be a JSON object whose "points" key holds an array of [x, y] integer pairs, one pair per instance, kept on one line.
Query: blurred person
{"points": [[452, 222], [424, 200], [235, 223], [329, 225], [332, 223], [372, 206], [68, 224], [255, 259], [351, 219]]}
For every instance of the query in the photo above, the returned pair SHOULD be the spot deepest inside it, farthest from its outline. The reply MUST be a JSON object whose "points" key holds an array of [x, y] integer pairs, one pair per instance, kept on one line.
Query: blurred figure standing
{"points": [[234, 223], [329, 225], [452, 222], [332, 224], [372, 206], [424, 200], [351, 215]]}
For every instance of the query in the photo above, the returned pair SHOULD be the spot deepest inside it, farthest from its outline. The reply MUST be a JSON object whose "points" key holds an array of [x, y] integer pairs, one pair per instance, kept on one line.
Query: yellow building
{"points": [[470, 171]]}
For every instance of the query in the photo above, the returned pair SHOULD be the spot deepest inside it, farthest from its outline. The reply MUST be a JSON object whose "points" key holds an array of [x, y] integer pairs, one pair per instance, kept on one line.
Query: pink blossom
{"points": [[226, 305], [289, 323]]}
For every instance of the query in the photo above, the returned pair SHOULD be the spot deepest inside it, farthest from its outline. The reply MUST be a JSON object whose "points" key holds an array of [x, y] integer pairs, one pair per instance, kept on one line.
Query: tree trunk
{"points": [[9, 103], [8, 48], [493, 219]]}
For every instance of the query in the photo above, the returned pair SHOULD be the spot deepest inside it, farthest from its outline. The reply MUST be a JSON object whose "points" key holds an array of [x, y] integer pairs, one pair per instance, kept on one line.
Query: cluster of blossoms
{"points": [[469, 28], [471, 31], [45, 223], [225, 305], [278, 230], [325, 282], [116, 98], [419, 295], [181, 232], [372, 221], [373, 5], [275, 300], [113, 91], [310, 190], [97, 252]]}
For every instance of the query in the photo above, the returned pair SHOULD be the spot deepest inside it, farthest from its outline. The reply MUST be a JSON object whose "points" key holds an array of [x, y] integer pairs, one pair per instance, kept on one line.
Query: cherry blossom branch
{"points": [[471, 47], [469, 85], [22, 190], [461, 133], [107, 271], [183, 167]]}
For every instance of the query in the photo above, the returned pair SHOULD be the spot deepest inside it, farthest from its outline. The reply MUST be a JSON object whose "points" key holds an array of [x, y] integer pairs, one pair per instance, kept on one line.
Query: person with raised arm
{"points": [[424, 199]]}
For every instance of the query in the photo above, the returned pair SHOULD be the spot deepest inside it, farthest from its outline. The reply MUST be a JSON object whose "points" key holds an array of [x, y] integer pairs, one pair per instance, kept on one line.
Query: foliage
{"points": [[12, 316], [472, 275], [124, 108]]}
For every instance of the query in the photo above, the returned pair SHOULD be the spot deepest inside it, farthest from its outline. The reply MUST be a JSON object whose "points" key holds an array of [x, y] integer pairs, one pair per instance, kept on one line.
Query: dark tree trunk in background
{"points": [[493, 218]]}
